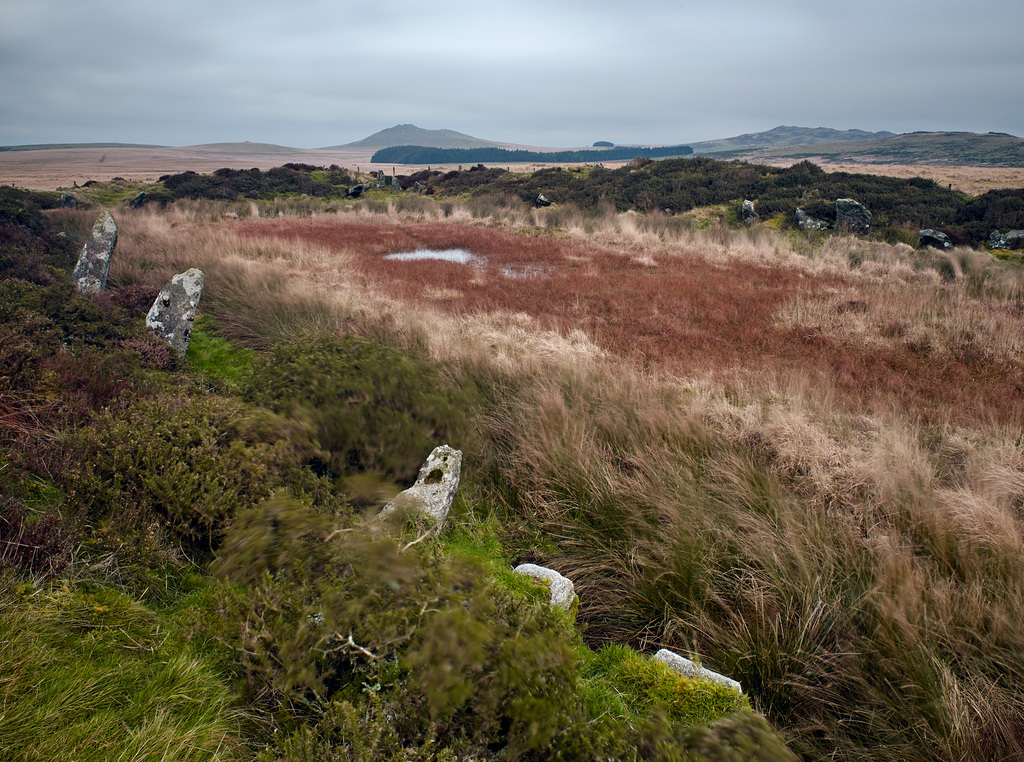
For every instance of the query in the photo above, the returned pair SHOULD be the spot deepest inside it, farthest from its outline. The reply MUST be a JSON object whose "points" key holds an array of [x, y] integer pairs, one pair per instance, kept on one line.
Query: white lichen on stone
{"points": [[174, 310], [90, 275], [563, 594], [435, 487], [691, 669]]}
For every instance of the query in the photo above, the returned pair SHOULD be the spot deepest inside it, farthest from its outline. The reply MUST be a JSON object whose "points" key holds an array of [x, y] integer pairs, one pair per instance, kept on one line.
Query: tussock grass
{"points": [[804, 465], [88, 675], [879, 619]]}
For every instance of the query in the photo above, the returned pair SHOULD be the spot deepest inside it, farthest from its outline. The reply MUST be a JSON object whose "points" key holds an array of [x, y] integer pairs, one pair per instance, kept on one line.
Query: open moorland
{"points": [[793, 455]]}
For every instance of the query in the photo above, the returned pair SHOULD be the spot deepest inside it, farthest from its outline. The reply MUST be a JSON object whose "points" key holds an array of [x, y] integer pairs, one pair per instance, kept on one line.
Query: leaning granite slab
{"points": [[174, 311], [686, 667], [435, 487], [562, 593], [90, 275]]}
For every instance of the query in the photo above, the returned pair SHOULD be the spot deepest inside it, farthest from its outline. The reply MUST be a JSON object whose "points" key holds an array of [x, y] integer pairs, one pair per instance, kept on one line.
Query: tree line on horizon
{"points": [[427, 155]]}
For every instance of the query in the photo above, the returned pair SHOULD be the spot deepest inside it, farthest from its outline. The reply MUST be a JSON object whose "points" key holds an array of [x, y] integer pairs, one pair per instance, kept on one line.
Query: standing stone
{"points": [[68, 201], [435, 486], [396, 184], [381, 179], [419, 187], [852, 216], [686, 667], [747, 212], [93, 266], [563, 596], [139, 201], [934, 238], [174, 310]]}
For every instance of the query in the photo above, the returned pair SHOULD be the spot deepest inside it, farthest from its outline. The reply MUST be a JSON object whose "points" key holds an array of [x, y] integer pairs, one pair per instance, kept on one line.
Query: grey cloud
{"points": [[318, 73]]}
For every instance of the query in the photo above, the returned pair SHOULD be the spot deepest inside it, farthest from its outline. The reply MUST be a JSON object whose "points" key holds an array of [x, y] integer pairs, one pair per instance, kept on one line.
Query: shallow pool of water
{"points": [[461, 256], [465, 257]]}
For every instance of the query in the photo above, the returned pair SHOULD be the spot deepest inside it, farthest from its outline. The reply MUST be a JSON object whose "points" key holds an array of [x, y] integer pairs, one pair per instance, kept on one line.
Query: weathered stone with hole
{"points": [[435, 487], [1011, 239], [563, 595], [172, 314], [357, 190], [807, 222], [90, 275], [852, 215], [541, 201], [381, 179], [686, 667], [934, 239], [747, 212]]}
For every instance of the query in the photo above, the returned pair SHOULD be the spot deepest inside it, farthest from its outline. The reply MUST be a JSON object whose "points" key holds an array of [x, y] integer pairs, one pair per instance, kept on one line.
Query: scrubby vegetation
{"points": [[187, 559], [229, 184], [796, 456], [900, 207]]}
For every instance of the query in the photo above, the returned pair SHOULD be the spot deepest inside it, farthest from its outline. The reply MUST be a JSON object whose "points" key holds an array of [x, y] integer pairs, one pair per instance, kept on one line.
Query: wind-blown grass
{"points": [[800, 459], [89, 676]]}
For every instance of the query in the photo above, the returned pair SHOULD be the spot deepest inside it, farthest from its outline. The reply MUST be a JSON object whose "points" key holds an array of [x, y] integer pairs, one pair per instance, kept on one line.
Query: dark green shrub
{"points": [[325, 615], [358, 646], [188, 464], [372, 407]]}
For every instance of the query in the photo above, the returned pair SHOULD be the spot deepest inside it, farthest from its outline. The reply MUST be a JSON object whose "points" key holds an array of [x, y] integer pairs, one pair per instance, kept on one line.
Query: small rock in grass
{"points": [[686, 667], [562, 593], [852, 215]]}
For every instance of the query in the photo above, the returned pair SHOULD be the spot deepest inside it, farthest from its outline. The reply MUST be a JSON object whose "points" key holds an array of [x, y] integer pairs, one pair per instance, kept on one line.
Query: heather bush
{"points": [[362, 646], [188, 464], [371, 407], [32, 545]]}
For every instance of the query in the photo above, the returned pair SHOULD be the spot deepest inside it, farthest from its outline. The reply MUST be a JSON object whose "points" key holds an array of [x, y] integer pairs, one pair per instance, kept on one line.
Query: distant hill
{"points": [[993, 149], [56, 146], [411, 135], [785, 136], [246, 147]]}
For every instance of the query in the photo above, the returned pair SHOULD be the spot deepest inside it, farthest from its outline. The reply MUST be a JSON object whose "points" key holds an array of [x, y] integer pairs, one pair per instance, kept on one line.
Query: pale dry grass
{"points": [[280, 283], [861, 573], [971, 180], [891, 304]]}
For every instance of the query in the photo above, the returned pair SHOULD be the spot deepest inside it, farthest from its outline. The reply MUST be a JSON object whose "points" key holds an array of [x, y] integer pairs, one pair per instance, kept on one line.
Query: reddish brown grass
{"points": [[683, 315]]}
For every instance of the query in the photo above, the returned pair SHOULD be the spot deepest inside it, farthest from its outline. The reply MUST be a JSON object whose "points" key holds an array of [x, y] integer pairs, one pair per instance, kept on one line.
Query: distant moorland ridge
{"points": [[779, 144]]}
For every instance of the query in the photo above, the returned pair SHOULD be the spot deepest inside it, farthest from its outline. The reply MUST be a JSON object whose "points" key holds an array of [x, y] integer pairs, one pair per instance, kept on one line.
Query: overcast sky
{"points": [[313, 73]]}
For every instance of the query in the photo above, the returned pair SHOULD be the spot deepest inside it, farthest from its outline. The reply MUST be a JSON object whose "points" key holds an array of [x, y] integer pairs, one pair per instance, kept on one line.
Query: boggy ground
{"points": [[672, 309]]}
